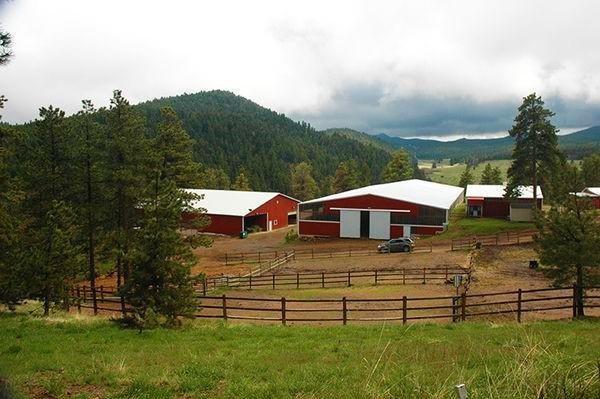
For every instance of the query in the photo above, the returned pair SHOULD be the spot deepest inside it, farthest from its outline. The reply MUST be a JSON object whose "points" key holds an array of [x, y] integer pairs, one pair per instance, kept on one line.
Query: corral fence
{"points": [[547, 303], [309, 253], [273, 264], [506, 238], [274, 281]]}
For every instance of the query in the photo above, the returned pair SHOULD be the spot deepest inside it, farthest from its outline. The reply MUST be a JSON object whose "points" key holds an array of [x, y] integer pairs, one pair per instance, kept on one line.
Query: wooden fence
{"points": [[548, 303], [403, 276], [492, 240], [309, 253]]}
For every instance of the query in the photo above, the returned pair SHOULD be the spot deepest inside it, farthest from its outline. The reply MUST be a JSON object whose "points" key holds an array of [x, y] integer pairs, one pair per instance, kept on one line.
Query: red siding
{"points": [[328, 229], [219, 224], [425, 231], [396, 231], [277, 208], [371, 202], [596, 202], [471, 201], [500, 207]]}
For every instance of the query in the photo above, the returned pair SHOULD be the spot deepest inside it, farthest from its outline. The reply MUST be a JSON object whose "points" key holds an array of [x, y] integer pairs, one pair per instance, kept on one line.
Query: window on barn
{"points": [[426, 216], [316, 211]]}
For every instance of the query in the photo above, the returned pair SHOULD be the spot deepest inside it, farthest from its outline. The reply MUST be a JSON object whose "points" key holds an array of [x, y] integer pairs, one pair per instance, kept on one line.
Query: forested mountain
{"points": [[361, 137], [575, 145], [233, 134]]}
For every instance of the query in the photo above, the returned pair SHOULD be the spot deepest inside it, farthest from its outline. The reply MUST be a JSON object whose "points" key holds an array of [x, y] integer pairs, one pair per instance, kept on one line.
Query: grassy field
{"points": [[451, 174], [84, 358]]}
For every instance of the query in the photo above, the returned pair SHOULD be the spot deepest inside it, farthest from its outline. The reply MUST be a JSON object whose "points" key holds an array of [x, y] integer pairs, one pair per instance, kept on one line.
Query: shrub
{"points": [[291, 236]]}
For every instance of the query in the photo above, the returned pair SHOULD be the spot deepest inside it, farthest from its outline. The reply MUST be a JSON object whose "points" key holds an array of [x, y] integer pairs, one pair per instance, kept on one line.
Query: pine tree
{"points": [[568, 242], [53, 256], [304, 186], [5, 44], [466, 177], [399, 168], [241, 182], [536, 153], [89, 200], [127, 162], [214, 178], [346, 177], [160, 283], [491, 175], [590, 169]]}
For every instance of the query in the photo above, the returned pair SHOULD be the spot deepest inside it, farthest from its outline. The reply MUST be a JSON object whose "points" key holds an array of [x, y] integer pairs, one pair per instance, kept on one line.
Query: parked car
{"points": [[396, 245]]}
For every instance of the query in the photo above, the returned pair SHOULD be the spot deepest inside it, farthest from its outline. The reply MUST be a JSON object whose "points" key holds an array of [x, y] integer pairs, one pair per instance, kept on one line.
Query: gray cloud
{"points": [[426, 67]]}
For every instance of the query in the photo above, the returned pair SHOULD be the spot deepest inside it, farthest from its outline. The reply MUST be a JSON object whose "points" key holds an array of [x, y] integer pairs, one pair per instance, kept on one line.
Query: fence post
{"points": [[250, 282], [297, 280], [350, 252], [344, 311], [322, 280], [574, 301], [518, 238], [312, 252], [348, 279], [404, 309], [226, 260], [258, 256], [463, 307], [519, 306], [424, 274], [446, 273], [84, 294], [94, 301], [403, 275], [102, 292], [224, 307], [273, 280], [78, 300], [375, 276], [283, 318]]}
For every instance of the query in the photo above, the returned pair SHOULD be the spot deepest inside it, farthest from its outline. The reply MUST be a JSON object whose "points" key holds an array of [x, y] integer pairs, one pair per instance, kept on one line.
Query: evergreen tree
{"points": [[88, 199], [53, 257], [241, 182], [160, 283], [466, 177], [491, 175], [127, 160], [399, 168], [214, 178], [5, 44], [304, 186], [568, 242], [590, 169], [536, 153], [346, 177]]}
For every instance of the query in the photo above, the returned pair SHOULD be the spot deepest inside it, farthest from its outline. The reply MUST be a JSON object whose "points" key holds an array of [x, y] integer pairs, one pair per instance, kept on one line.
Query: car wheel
{"points": [[406, 249]]}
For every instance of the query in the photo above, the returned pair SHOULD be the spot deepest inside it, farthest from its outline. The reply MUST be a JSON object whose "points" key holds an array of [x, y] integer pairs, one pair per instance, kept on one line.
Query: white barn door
{"points": [[379, 225], [349, 224]]}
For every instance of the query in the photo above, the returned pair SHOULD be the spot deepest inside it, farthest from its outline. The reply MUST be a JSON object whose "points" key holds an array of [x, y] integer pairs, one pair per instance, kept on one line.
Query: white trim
{"points": [[371, 210], [319, 221], [419, 225]]}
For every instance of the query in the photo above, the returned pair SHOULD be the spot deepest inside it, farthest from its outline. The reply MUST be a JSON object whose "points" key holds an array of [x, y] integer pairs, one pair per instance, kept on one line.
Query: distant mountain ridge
{"points": [[575, 145]]}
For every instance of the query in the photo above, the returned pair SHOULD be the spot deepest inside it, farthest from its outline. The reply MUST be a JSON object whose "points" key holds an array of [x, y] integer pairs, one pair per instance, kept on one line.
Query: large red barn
{"points": [[381, 211], [231, 211], [487, 200]]}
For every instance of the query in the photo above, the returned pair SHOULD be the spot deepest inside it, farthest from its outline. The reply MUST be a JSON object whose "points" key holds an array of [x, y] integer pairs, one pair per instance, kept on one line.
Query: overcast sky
{"points": [[406, 68]]}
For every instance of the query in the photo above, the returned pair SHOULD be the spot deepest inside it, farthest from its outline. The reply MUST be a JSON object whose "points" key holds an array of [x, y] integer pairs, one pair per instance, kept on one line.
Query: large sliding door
{"points": [[379, 225], [349, 224]]}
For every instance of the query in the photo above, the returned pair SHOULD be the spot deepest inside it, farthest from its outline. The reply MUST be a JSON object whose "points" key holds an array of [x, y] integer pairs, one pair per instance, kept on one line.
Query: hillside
{"points": [[360, 137], [232, 133], [575, 145]]}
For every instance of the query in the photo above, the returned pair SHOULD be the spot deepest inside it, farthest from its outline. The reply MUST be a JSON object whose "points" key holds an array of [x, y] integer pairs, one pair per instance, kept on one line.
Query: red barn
{"points": [[594, 194], [234, 211], [381, 211], [487, 200]]}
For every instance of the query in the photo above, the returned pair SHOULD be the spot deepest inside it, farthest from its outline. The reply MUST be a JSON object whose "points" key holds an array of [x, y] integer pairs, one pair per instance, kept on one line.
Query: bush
{"points": [[254, 229], [291, 236]]}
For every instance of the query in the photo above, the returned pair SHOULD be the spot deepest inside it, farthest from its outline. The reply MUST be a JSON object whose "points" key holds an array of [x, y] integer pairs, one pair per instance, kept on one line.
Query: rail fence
{"points": [[549, 303], [403, 276], [309, 253], [493, 240]]}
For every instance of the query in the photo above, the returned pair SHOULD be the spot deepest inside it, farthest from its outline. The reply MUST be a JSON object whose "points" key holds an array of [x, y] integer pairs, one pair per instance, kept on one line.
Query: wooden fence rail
{"points": [[509, 304], [506, 238], [327, 279]]}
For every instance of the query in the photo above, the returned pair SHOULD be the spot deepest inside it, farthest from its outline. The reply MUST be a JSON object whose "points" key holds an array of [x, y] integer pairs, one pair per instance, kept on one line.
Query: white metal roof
{"points": [[230, 202], [592, 190], [416, 191], [497, 191]]}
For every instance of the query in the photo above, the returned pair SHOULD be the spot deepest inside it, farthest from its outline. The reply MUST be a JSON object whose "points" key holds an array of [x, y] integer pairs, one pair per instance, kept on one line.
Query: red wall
{"points": [[425, 231], [220, 224], [371, 202], [396, 231], [596, 202], [277, 208], [498, 208], [328, 229]]}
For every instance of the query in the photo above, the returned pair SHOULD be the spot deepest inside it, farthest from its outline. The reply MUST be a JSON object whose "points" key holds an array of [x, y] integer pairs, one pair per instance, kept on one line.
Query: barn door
{"points": [[379, 225], [349, 224]]}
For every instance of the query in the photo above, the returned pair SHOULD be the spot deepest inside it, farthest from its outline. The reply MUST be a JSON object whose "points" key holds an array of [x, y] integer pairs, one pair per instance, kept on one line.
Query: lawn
{"points": [[66, 356], [451, 174]]}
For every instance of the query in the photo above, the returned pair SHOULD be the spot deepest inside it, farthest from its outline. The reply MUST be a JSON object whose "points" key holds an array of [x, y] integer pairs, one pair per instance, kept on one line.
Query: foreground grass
{"points": [[72, 357]]}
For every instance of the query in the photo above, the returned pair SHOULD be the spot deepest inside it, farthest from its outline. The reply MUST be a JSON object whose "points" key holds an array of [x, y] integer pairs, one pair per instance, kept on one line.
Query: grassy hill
{"points": [[67, 356], [450, 174]]}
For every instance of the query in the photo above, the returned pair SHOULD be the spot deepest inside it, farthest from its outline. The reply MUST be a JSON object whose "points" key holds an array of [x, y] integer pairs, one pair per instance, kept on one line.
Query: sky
{"points": [[442, 69]]}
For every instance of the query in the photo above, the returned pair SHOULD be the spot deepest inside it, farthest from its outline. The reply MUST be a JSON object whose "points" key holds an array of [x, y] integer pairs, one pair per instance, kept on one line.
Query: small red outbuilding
{"points": [[234, 211], [594, 194], [487, 200]]}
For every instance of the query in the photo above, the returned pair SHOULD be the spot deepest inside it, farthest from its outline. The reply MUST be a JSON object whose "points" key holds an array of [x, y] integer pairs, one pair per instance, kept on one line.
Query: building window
{"points": [[316, 211], [426, 216]]}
